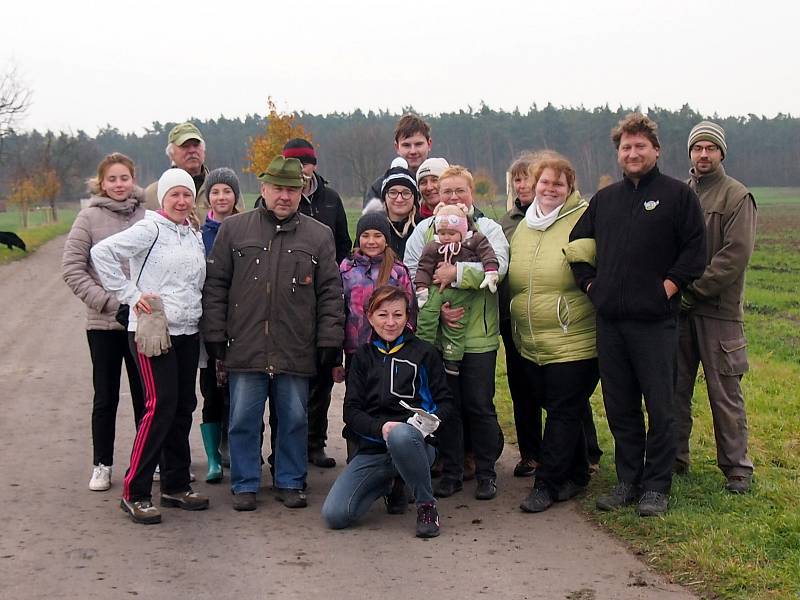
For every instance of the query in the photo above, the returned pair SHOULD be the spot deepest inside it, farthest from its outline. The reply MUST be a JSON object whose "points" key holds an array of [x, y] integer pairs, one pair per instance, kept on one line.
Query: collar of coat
{"points": [[290, 223]]}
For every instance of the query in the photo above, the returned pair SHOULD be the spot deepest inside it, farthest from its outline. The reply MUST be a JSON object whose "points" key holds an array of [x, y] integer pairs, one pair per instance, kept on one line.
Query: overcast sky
{"points": [[89, 63]]}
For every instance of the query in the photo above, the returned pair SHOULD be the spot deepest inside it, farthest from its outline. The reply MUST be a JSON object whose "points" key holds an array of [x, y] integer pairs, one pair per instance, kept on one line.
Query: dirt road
{"points": [[60, 540]]}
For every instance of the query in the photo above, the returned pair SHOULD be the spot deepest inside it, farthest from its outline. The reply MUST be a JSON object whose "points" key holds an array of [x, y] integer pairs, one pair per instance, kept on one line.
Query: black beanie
{"points": [[300, 149], [376, 220], [398, 174], [226, 176]]}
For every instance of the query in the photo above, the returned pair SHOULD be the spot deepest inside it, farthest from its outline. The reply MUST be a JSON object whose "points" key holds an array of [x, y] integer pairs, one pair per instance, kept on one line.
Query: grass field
{"points": [[38, 231]]}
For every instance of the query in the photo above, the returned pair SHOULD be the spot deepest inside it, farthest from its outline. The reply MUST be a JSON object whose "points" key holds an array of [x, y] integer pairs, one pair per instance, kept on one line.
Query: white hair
{"points": [[170, 149]]}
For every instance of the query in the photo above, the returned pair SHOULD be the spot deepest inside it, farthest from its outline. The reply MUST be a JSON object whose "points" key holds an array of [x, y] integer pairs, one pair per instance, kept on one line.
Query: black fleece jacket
{"points": [[645, 233]]}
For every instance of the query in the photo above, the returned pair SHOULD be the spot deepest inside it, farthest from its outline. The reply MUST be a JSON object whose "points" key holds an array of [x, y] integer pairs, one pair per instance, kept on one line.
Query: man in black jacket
{"points": [[650, 241]]}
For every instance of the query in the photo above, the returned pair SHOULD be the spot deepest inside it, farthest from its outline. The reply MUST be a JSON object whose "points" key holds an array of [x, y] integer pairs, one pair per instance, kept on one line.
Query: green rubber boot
{"points": [[211, 436]]}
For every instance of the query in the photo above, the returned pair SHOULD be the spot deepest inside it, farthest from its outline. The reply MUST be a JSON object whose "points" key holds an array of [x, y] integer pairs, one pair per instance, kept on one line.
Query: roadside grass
{"points": [[717, 544], [38, 231]]}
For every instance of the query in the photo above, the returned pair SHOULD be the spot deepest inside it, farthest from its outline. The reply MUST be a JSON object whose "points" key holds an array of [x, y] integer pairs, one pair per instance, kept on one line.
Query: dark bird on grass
{"points": [[11, 239]]}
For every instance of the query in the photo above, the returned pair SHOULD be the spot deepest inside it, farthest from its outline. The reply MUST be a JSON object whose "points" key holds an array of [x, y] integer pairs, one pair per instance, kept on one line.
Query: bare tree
{"points": [[15, 98]]}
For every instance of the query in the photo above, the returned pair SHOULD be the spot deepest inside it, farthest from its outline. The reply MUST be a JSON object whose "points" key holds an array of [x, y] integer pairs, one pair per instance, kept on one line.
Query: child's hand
{"points": [[490, 281]]}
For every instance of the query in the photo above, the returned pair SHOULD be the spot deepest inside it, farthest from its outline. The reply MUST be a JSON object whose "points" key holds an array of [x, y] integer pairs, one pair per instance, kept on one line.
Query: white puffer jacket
{"points": [[175, 269]]}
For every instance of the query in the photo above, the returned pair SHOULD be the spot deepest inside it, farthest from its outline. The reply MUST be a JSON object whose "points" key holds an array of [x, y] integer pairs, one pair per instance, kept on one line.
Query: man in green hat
{"points": [[272, 311], [186, 150]]}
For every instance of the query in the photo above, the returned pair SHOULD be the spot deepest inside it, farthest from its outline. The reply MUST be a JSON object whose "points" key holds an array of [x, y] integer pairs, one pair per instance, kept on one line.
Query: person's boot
{"points": [[211, 435]]}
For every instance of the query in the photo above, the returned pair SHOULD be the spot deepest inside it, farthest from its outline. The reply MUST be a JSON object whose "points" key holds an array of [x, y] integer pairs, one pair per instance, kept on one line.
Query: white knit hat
{"points": [[173, 178], [431, 166]]}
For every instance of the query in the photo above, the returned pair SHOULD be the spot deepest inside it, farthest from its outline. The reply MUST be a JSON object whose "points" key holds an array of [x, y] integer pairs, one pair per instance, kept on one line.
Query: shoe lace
{"points": [[145, 505], [427, 513], [652, 496]]}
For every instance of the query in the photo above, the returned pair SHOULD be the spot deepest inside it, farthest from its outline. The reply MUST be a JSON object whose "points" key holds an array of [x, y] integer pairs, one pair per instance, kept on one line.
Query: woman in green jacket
{"points": [[553, 326]]}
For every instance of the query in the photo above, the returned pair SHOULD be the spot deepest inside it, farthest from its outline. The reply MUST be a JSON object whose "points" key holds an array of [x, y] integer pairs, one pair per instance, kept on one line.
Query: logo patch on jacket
{"points": [[650, 204]]}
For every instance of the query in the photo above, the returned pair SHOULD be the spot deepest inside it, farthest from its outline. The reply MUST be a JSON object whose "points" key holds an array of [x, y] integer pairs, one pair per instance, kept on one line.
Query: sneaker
{"points": [[621, 494], [446, 487], [427, 520], [469, 467], [539, 500], [141, 511], [101, 478], [568, 490], [291, 498], [486, 490], [525, 467], [397, 499], [244, 501], [319, 459], [187, 500], [737, 484], [653, 504]]}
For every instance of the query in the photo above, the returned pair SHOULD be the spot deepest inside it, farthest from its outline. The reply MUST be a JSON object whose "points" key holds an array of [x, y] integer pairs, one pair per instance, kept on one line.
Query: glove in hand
{"points": [[426, 423], [490, 281], [152, 331], [687, 301], [328, 357]]}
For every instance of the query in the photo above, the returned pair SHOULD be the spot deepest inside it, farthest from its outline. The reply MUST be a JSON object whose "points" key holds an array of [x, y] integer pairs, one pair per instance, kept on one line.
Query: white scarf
{"points": [[536, 220]]}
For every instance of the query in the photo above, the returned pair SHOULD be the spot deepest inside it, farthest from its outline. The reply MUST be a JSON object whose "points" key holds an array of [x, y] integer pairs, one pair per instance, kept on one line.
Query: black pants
{"points": [[163, 433], [319, 401], [527, 406], [639, 358], [216, 399], [473, 392], [564, 390], [108, 350]]}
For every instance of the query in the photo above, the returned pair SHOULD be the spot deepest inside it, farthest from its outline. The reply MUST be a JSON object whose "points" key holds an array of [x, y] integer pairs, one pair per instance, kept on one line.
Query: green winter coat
{"points": [[553, 321]]}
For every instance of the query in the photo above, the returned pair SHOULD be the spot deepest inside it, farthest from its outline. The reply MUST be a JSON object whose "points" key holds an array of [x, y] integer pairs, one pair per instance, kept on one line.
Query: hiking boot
{"points": [[738, 484], [653, 504], [568, 490], [525, 467], [486, 490], [101, 478], [397, 499], [446, 487], [469, 467], [188, 500], [621, 494], [291, 498], [539, 500], [244, 501], [141, 511], [427, 520], [319, 459]]}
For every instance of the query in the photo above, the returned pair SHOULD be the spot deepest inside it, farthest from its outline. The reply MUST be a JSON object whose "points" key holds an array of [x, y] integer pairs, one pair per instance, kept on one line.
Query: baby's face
{"points": [[447, 236]]}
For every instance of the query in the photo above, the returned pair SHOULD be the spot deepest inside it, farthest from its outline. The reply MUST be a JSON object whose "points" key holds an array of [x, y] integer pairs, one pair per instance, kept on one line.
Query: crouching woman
{"points": [[392, 439], [167, 267]]}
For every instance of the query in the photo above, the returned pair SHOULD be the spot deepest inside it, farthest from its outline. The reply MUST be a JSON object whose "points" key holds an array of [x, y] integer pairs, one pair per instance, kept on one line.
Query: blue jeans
{"points": [[249, 392], [369, 476]]}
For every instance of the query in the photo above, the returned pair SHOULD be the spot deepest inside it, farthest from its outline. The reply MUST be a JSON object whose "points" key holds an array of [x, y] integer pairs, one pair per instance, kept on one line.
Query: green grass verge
{"points": [[717, 544], [37, 232]]}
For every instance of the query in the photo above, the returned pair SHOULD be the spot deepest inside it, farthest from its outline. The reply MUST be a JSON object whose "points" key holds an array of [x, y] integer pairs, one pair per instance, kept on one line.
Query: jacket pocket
{"points": [[732, 357], [305, 266], [403, 378]]}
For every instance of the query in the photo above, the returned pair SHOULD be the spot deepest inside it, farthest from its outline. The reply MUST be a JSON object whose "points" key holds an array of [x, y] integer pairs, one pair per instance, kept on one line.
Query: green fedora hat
{"points": [[287, 172], [183, 132]]}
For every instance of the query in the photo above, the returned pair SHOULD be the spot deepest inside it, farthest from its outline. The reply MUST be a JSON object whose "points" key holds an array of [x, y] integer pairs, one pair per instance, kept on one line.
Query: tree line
{"points": [[353, 148]]}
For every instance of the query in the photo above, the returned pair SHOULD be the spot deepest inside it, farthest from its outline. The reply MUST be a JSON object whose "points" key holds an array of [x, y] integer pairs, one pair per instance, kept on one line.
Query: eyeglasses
{"points": [[458, 193], [405, 194], [710, 149]]}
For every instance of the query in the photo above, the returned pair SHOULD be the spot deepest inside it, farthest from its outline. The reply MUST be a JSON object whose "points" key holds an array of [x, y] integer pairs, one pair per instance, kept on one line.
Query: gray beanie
{"points": [[226, 176], [373, 220], [707, 131]]}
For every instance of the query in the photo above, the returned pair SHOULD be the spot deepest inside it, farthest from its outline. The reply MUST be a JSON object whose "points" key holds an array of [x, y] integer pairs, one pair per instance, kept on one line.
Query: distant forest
{"points": [[355, 148]]}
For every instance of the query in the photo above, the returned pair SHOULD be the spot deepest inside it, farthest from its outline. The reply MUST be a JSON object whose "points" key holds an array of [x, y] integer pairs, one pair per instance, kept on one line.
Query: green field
{"points": [[38, 231]]}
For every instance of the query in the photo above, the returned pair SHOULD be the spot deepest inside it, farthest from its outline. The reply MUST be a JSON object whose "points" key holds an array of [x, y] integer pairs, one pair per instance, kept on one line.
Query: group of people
{"points": [[633, 289]]}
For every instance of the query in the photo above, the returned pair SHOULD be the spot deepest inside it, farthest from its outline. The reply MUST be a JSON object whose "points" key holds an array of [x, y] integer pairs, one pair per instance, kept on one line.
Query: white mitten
{"points": [[490, 281], [422, 297], [426, 423]]}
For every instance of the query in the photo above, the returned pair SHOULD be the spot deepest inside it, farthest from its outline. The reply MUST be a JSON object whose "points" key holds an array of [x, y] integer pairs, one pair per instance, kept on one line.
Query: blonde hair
{"points": [[458, 171], [115, 158]]}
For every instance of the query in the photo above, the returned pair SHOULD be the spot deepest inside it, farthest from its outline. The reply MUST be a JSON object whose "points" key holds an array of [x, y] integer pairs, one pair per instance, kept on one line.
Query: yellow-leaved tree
{"points": [[280, 129]]}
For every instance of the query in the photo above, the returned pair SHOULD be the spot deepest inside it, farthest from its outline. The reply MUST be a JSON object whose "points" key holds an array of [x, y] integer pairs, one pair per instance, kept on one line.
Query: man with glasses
{"points": [[473, 388], [711, 321]]}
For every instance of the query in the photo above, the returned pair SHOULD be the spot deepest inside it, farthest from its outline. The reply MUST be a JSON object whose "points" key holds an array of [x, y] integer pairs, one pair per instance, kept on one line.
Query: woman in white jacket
{"points": [[167, 271], [114, 206]]}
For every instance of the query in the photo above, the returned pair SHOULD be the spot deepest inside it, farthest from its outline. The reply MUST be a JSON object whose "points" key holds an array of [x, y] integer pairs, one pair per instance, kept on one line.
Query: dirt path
{"points": [[59, 540]]}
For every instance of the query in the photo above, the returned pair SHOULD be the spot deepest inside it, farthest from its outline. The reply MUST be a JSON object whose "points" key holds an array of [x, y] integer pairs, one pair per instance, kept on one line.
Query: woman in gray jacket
{"points": [[114, 206]]}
